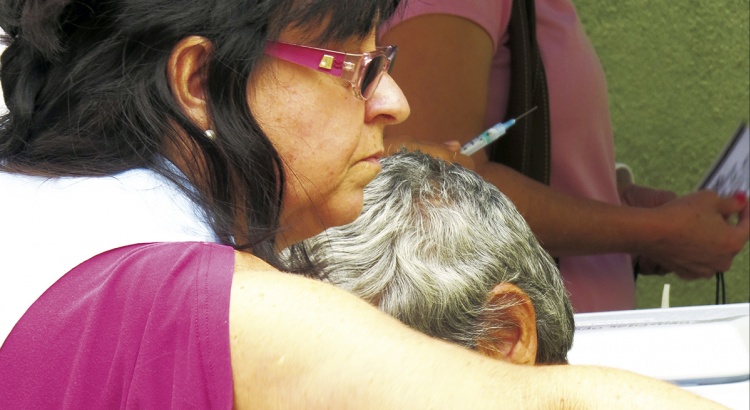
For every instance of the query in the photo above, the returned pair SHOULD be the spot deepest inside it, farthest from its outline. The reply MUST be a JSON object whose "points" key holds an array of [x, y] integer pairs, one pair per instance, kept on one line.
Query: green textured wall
{"points": [[678, 77]]}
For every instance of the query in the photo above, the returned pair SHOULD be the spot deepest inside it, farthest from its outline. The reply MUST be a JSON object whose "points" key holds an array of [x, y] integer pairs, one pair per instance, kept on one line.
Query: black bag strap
{"points": [[527, 146]]}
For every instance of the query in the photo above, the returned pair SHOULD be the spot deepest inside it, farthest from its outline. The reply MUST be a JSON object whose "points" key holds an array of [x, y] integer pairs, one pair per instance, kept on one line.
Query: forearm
{"points": [[693, 235], [567, 225], [299, 343], [585, 387]]}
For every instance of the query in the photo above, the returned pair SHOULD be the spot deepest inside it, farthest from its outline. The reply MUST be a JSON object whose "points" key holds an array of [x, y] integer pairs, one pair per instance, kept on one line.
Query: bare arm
{"points": [[299, 343], [443, 70]]}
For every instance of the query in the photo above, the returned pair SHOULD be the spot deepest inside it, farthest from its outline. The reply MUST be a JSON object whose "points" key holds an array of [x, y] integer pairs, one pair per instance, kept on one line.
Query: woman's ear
{"points": [[185, 72], [516, 343]]}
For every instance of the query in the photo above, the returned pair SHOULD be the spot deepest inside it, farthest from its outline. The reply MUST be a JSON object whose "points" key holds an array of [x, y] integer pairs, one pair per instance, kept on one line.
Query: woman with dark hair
{"points": [[155, 158]]}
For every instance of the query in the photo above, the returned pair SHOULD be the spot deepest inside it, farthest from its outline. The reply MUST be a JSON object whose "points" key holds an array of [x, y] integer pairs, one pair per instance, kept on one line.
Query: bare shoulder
{"points": [[291, 336], [247, 263]]}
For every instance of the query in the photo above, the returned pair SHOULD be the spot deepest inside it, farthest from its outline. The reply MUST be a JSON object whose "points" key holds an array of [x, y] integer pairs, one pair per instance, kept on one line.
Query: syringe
{"points": [[486, 138]]}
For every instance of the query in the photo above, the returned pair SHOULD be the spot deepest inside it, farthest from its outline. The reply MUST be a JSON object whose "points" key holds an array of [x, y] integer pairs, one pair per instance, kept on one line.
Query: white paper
{"points": [[731, 171]]}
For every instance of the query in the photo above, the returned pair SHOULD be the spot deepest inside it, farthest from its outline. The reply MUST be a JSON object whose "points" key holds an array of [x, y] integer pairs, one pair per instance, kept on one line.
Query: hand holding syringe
{"points": [[492, 134]]}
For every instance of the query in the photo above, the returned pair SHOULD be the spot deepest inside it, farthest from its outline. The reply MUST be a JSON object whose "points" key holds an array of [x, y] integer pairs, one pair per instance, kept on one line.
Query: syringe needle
{"points": [[491, 134], [526, 113]]}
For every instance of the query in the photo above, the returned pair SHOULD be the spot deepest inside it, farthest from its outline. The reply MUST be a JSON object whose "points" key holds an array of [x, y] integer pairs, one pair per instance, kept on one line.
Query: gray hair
{"points": [[431, 243]]}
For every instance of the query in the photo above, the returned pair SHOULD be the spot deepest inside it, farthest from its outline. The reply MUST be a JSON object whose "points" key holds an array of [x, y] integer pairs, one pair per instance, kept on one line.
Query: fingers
{"points": [[665, 196], [744, 218], [741, 197], [648, 266], [744, 214], [732, 205], [645, 197], [696, 274], [465, 161], [687, 272], [729, 207], [454, 146], [447, 151], [623, 176], [711, 231]]}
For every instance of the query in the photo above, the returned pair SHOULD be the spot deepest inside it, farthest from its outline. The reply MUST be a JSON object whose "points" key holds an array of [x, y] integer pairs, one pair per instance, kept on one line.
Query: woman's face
{"points": [[330, 142]]}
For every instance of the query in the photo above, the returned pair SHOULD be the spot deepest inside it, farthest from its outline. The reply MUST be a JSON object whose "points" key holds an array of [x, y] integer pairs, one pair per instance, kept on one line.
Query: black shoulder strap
{"points": [[527, 147]]}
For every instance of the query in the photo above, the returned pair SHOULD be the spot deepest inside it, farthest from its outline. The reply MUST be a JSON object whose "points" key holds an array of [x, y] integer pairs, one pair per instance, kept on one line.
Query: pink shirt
{"points": [[582, 144], [138, 327]]}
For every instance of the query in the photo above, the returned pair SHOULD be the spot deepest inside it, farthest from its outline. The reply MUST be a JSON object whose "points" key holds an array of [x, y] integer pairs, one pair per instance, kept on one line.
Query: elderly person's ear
{"points": [[185, 71], [512, 332]]}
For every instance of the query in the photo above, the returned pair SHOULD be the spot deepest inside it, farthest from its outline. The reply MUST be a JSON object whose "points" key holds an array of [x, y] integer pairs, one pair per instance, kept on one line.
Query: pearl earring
{"points": [[210, 134]]}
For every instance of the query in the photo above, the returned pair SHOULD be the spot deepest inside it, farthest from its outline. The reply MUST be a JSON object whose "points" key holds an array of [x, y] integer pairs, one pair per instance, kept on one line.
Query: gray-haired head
{"points": [[431, 243]]}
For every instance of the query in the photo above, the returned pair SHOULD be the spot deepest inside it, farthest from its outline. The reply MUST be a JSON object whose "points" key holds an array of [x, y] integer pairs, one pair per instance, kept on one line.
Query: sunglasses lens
{"points": [[371, 76]]}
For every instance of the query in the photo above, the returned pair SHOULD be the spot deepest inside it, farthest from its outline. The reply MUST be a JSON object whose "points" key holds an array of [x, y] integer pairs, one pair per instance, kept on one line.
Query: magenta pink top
{"points": [[582, 144], [142, 326]]}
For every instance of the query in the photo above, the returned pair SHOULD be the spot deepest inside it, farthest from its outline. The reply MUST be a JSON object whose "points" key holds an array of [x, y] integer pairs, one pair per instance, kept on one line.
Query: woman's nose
{"points": [[387, 104]]}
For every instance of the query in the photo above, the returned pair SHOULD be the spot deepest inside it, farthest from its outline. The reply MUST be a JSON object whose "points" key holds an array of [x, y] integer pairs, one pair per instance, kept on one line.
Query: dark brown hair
{"points": [[87, 92]]}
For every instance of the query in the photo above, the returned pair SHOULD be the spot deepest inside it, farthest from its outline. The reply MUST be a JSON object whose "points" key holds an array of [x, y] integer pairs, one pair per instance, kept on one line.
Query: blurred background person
{"points": [[597, 230]]}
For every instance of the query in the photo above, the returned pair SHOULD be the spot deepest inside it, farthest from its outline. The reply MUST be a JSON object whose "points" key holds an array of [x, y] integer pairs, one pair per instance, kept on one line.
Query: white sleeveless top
{"points": [[50, 225]]}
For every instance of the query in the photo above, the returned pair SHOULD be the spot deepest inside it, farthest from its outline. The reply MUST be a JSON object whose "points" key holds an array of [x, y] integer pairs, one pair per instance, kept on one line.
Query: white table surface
{"points": [[704, 349]]}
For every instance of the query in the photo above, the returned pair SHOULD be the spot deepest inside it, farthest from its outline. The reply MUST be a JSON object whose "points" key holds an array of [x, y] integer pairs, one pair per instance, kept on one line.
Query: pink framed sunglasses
{"points": [[363, 71]]}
